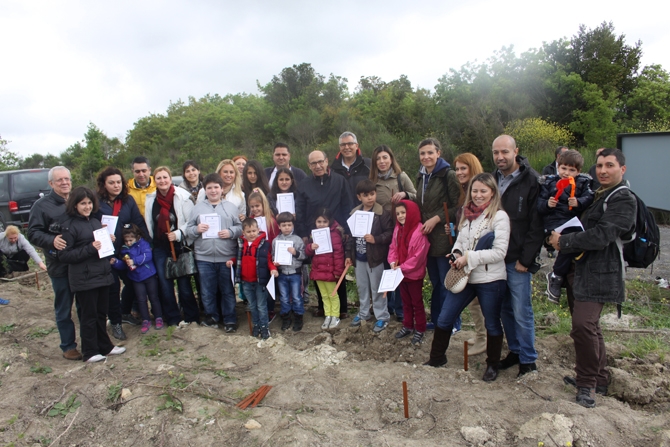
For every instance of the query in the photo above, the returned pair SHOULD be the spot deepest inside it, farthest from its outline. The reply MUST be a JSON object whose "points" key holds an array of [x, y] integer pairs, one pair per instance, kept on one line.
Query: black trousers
{"points": [[93, 322], [18, 262]]}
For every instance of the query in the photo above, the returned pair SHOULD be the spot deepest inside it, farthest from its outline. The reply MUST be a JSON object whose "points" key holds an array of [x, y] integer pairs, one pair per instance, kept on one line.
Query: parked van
{"points": [[18, 191]]}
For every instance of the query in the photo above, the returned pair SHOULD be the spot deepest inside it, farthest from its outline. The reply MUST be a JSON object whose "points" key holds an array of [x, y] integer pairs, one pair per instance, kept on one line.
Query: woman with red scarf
{"points": [[408, 252], [166, 213], [480, 249]]}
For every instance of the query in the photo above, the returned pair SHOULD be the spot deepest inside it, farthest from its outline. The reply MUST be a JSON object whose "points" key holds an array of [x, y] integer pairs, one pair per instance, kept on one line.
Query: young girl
{"points": [[253, 177], [327, 267], [284, 183], [89, 275], [260, 207], [408, 252], [138, 259]]}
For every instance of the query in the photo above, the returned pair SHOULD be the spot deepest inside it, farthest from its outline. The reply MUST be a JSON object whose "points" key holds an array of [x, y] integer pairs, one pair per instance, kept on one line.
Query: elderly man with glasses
{"points": [[351, 164]]}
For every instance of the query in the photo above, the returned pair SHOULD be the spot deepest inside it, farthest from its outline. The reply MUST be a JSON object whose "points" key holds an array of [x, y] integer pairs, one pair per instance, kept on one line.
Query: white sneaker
{"points": [[183, 324], [96, 358], [326, 323], [116, 350], [334, 322]]}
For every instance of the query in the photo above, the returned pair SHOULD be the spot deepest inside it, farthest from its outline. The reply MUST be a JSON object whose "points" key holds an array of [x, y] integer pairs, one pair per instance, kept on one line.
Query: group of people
{"points": [[489, 226]]}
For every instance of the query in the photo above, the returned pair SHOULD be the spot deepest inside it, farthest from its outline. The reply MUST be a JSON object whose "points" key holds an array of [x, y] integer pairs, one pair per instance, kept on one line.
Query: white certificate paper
{"points": [[271, 287], [360, 223], [232, 276], [321, 237], [262, 225], [390, 280], [574, 222], [107, 248], [282, 255], [214, 225], [286, 203], [109, 222]]}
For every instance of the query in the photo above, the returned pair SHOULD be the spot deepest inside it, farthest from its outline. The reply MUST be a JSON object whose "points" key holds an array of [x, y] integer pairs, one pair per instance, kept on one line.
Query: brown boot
{"points": [[72, 354], [438, 349], [493, 348], [477, 344]]}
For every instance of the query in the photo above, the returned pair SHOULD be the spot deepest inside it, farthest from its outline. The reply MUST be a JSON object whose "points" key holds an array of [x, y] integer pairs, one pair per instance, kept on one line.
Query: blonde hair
{"points": [[11, 229], [163, 168], [494, 205], [474, 167], [237, 183], [257, 194]]}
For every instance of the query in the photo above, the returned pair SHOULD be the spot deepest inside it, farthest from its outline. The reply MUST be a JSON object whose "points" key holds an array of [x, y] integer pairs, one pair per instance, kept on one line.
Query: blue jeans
{"points": [[289, 294], [257, 297], [437, 267], [63, 299], [517, 315], [171, 311], [491, 296], [215, 276]]}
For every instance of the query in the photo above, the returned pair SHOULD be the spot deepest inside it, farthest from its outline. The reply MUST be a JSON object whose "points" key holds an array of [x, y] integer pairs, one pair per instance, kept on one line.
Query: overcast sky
{"points": [[68, 63]]}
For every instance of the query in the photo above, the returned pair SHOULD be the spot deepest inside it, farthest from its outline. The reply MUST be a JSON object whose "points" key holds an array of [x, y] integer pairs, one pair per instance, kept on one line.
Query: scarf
{"points": [[406, 231], [472, 211], [384, 176], [165, 203]]}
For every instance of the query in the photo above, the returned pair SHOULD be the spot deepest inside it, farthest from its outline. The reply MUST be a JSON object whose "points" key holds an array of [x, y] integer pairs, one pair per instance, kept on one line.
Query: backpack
{"points": [[641, 249]]}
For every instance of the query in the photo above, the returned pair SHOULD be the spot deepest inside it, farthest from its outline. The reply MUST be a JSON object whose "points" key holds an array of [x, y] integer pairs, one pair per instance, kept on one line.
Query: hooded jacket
{"points": [[329, 191], [215, 250], [44, 224], [142, 257], [555, 217], [414, 267], [433, 190], [140, 194], [359, 170], [382, 230], [328, 266]]}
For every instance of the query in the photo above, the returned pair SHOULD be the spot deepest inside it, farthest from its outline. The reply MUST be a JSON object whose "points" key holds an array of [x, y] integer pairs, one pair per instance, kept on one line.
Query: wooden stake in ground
{"points": [[251, 329], [404, 399], [254, 398], [344, 273], [37, 281], [465, 355]]}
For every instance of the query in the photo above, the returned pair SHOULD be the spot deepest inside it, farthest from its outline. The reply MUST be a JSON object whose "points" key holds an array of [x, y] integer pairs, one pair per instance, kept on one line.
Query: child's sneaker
{"points": [[380, 325], [256, 332], [334, 322], [265, 332], [554, 284], [159, 324], [326, 323], [146, 325], [403, 332], [356, 321], [417, 339]]}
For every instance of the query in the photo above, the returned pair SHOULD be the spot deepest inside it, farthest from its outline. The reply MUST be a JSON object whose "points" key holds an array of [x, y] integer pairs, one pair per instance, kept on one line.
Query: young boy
{"points": [[254, 267], [368, 254], [212, 255], [290, 276], [574, 196]]}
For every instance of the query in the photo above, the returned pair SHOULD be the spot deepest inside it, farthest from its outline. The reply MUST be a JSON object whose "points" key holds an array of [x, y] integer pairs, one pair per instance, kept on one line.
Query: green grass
{"points": [[640, 347]]}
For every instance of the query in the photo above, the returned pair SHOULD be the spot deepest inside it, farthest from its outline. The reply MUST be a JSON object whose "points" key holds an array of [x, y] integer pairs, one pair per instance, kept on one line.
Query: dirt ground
{"points": [[342, 388]]}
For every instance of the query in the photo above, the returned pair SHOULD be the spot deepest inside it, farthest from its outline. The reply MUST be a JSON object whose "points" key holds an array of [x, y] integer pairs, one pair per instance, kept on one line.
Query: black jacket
{"points": [[550, 169], [129, 214], [599, 276], [44, 225], [555, 217], [86, 270], [359, 170], [520, 203], [328, 191]]}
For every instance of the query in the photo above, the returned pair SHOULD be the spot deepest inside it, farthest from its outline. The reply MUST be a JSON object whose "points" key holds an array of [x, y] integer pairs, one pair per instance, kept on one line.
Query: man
{"points": [[142, 182], [282, 159], [552, 168], [599, 278], [519, 189], [323, 190], [351, 164], [44, 230]]}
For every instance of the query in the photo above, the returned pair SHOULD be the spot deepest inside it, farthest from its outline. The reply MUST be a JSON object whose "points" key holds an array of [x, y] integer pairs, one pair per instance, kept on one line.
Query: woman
{"points": [[232, 186], [436, 186], [166, 214], [16, 248], [482, 215], [393, 185], [89, 275], [192, 179], [467, 165], [240, 162], [115, 201], [253, 177]]}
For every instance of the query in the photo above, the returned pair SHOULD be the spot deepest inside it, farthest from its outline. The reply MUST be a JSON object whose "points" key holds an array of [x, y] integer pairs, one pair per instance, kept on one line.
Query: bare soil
{"points": [[339, 388]]}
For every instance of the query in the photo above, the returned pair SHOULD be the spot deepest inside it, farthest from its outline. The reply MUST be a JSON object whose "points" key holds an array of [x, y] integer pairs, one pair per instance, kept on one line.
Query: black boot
{"points": [[509, 361], [297, 323], [438, 350], [285, 321], [493, 348]]}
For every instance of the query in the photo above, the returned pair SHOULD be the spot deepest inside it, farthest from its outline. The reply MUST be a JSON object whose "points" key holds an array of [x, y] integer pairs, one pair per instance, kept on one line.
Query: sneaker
{"points": [[96, 358], [380, 325], [554, 284], [117, 350], [4, 302], [72, 354], [600, 389], [146, 325], [455, 330], [334, 322], [430, 326], [403, 332], [586, 397], [117, 332], [210, 322], [130, 319], [159, 324], [265, 332], [356, 322], [271, 317], [285, 321], [256, 332], [326, 323], [229, 328], [417, 339]]}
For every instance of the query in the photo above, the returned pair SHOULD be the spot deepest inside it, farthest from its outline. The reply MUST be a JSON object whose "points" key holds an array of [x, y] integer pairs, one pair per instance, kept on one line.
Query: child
{"points": [[253, 177], [212, 255], [368, 254], [138, 259], [572, 201], [284, 184], [408, 252], [327, 267], [290, 277], [254, 267]]}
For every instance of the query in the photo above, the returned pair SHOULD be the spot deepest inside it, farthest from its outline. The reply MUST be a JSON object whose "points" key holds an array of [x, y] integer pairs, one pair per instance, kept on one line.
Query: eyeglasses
{"points": [[317, 163], [62, 180], [348, 144]]}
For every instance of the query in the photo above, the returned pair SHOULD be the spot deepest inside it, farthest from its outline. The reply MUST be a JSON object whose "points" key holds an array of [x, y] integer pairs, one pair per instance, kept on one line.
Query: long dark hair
{"points": [[187, 164], [77, 195], [261, 178], [275, 186], [102, 178], [373, 162]]}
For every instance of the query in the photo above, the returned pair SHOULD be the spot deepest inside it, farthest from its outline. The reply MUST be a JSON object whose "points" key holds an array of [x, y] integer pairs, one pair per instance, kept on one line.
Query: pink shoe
{"points": [[146, 325], [159, 323]]}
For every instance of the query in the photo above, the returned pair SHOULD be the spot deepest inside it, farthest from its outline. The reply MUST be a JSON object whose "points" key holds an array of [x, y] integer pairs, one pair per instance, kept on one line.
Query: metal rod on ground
{"points": [[404, 399], [465, 355], [251, 328]]}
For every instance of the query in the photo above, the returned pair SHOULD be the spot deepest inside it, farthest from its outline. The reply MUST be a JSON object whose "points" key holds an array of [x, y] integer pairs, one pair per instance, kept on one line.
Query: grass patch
{"points": [[150, 340], [114, 392], [41, 332], [62, 409], [39, 369], [224, 375], [7, 328], [640, 347], [649, 302]]}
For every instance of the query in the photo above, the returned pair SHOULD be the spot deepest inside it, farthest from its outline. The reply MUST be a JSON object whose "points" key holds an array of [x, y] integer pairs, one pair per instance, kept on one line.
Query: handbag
{"points": [[457, 279], [183, 265]]}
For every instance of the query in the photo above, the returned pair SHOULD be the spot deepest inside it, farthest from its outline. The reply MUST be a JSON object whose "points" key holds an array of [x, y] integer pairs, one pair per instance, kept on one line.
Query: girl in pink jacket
{"points": [[408, 252]]}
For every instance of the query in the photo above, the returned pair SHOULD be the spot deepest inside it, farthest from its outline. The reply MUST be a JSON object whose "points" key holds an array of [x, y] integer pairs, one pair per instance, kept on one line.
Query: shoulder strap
{"points": [[400, 188], [612, 193]]}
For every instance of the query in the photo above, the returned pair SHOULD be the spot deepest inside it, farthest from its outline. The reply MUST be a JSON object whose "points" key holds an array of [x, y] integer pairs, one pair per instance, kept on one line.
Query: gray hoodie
{"points": [[215, 250], [297, 260]]}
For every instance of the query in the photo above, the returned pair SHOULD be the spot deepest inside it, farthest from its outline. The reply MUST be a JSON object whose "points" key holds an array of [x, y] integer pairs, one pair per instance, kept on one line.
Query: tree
{"points": [[8, 159]]}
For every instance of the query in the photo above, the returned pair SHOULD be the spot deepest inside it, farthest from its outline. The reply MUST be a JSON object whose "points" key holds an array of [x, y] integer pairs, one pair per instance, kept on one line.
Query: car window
{"points": [[4, 194], [26, 182]]}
